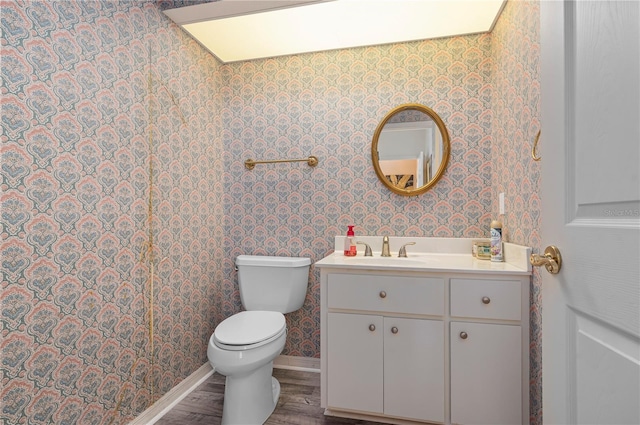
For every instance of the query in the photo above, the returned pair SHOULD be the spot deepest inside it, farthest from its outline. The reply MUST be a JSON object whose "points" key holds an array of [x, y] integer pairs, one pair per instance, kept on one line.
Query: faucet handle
{"points": [[367, 249], [403, 250]]}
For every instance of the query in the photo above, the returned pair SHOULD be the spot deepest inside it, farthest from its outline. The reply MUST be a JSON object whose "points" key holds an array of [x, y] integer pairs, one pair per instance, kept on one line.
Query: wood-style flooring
{"points": [[299, 403]]}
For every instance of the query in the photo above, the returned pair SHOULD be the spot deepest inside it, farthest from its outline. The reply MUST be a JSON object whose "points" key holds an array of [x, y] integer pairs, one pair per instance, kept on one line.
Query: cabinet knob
{"points": [[383, 294], [394, 330], [463, 335], [372, 327], [486, 300]]}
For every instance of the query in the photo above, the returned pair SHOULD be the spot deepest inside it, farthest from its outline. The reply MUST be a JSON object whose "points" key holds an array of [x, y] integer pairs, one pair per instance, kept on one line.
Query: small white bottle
{"points": [[496, 241]]}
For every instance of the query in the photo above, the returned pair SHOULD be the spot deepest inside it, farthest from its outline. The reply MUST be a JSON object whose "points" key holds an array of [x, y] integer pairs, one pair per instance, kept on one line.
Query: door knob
{"points": [[551, 260]]}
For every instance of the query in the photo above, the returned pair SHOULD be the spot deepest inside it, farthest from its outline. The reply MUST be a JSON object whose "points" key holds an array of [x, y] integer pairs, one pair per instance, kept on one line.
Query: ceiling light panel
{"points": [[244, 30]]}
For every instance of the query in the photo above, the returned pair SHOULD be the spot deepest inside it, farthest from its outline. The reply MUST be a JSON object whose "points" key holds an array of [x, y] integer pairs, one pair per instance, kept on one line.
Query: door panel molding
{"points": [[608, 364]]}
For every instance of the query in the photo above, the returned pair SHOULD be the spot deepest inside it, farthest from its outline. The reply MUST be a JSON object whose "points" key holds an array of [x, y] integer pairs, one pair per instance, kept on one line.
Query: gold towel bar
{"points": [[250, 163]]}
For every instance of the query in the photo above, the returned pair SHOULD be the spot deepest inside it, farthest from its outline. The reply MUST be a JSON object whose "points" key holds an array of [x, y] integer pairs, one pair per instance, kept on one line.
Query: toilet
{"points": [[243, 346]]}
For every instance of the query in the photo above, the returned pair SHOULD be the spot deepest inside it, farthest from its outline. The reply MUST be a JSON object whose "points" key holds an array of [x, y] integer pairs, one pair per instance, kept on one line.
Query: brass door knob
{"points": [[551, 260]]}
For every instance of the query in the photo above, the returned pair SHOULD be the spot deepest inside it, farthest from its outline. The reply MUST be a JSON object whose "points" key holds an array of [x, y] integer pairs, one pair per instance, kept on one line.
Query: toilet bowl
{"points": [[245, 356], [243, 346]]}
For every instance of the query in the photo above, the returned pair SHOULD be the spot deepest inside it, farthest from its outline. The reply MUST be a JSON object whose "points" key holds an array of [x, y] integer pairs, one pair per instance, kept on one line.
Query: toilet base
{"points": [[275, 387], [250, 399]]}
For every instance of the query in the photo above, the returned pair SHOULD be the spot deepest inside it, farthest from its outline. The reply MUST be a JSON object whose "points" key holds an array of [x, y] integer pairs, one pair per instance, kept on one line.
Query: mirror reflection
{"points": [[410, 149]]}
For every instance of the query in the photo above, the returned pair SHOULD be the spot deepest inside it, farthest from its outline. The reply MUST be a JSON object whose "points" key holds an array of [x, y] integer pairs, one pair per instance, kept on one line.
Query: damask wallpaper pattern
{"points": [[516, 105], [328, 104], [92, 91], [76, 102]]}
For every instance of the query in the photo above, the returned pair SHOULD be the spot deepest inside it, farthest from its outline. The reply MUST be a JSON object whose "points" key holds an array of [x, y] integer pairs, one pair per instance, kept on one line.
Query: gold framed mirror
{"points": [[410, 149]]}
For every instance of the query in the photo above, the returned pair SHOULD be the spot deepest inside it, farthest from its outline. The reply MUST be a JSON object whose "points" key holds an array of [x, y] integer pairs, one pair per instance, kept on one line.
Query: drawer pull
{"points": [[372, 327], [394, 330], [463, 335], [486, 300], [383, 294]]}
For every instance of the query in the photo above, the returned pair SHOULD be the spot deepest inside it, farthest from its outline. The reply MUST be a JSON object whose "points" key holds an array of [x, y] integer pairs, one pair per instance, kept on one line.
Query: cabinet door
{"points": [[354, 362], [414, 368], [486, 370]]}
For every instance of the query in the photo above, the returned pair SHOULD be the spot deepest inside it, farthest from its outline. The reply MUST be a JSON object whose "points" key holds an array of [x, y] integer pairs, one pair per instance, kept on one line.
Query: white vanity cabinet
{"points": [[486, 380], [379, 362], [486, 351], [444, 346], [376, 360]]}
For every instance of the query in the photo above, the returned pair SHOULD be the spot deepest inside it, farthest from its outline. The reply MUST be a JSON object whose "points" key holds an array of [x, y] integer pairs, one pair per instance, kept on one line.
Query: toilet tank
{"points": [[272, 283]]}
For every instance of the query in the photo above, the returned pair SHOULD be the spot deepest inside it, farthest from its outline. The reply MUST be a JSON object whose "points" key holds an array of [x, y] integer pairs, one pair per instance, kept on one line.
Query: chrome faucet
{"points": [[385, 247]]}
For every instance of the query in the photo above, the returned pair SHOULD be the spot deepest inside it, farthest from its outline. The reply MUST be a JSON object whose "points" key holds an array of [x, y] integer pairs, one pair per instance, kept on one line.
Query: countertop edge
{"points": [[516, 261]]}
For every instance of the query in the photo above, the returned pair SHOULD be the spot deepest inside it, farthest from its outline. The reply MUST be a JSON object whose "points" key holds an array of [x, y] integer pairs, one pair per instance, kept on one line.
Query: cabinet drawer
{"points": [[486, 299], [387, 294]]}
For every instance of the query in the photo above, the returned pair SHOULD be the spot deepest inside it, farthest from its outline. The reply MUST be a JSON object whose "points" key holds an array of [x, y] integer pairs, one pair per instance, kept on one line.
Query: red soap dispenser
{"points": [[350, 243]]}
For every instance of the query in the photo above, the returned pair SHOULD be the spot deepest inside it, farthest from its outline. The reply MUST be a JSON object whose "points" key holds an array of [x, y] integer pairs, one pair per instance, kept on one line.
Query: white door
{"points": [[590, 149]]}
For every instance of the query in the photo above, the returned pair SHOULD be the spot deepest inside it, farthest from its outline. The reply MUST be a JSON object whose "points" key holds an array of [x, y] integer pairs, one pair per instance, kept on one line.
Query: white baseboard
{"points": [[304, 364], [191, 382], [174, 396]]}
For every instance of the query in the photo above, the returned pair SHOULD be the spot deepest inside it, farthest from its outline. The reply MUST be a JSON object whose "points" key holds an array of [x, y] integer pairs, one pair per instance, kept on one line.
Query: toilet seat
{"points": [[249, 329]]}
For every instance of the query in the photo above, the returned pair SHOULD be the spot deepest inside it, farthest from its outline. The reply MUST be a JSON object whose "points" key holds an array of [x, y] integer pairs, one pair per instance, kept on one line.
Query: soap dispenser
{"points": [[350, 244]]}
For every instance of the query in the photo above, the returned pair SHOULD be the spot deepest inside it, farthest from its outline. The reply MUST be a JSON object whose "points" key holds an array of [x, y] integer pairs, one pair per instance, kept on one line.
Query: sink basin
{"points": [[426, 255], [415, 261], [378, 261]]}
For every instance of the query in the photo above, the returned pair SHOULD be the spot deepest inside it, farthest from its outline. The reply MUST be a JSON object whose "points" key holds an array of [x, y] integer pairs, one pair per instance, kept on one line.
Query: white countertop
{"points": [[516, 258]]}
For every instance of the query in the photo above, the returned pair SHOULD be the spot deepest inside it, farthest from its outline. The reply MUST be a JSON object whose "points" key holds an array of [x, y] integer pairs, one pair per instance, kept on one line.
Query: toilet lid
{"points": [[249, 327]]}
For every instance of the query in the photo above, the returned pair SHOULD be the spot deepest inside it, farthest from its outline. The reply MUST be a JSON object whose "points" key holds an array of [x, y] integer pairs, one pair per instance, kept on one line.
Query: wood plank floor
{"points": [[299, 403]]}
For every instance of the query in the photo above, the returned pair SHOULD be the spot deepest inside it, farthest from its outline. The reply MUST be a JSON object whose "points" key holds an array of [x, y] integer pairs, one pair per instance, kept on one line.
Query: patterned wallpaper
{"points": [[76, 107], [328, 104], [516, 109], [75, 188], [486, 90]]}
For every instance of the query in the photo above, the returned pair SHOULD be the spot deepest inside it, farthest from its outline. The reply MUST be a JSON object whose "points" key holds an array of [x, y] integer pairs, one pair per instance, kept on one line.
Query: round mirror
{"points": [[410, 149]]}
